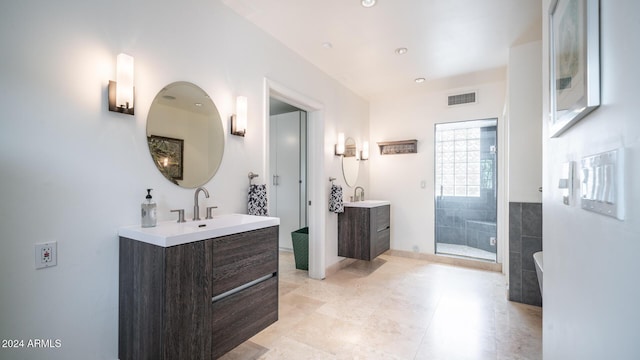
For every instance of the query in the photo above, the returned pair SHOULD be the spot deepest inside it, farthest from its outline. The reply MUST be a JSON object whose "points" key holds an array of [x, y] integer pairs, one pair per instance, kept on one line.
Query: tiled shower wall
{"points": [[467, 221], [525, 238]]}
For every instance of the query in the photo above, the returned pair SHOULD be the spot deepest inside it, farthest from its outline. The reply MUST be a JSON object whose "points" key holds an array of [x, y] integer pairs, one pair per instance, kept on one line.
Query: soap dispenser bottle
{"points": [[149, 216]]}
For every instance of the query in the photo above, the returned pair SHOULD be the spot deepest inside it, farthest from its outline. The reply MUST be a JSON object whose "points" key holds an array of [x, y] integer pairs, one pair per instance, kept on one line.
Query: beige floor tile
{"points": [[290, 349], [323, 290], [367, 353], [332, 335], [406, 312], [392, 337], [293, 310], [246, 351], [397, 308]]}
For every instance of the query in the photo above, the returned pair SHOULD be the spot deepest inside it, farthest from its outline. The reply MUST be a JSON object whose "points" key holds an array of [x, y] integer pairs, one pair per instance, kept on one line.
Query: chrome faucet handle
{"points": [[210, 212], [180, 215]]}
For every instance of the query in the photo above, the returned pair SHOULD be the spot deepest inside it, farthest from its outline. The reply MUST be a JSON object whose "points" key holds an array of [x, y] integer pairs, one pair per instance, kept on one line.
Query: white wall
{"points": [[524, 130], [74, 172], [591, 266], [397, 178]]}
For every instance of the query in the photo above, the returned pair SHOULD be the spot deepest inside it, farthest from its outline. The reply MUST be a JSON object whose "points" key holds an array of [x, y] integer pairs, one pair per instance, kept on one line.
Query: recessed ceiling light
{"points": [[327, 45], [401, 51], [368, 3], [419, 80]]}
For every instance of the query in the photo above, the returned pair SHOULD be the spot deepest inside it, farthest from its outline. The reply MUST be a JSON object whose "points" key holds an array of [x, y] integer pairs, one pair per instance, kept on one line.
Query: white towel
{"points": [[257, 200], [335, 199]]}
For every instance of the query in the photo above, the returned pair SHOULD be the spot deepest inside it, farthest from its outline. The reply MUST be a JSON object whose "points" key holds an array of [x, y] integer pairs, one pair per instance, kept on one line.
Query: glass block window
{"points": [[458, 165]]}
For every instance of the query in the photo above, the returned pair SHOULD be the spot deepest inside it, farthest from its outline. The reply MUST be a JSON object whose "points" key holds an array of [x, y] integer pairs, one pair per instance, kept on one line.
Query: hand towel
{"points": [[335, 199], [257, 200]]}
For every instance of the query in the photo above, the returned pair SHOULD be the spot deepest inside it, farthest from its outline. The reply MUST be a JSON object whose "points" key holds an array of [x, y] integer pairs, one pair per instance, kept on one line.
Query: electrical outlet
{"points": [[46, 255], [492, 241]]}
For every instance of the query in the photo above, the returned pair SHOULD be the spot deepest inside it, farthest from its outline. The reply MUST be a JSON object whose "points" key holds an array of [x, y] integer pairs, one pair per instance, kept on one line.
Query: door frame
{"points": [[315, 168], [501, 191]]}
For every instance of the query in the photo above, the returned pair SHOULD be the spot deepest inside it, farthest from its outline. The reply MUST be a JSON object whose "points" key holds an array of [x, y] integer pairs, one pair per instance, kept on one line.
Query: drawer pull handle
{"points": [[242, 287]]}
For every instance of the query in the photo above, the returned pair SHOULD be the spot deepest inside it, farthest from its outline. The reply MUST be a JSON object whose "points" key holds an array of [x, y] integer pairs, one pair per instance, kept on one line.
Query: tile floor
{"points": [[396, 308]]}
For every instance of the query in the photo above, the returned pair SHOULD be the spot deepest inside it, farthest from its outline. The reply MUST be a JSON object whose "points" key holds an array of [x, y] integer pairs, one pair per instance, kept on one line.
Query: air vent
{"points": [[460, 99]]}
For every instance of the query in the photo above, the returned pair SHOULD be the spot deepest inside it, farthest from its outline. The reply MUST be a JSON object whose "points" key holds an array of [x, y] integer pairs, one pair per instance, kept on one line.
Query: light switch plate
{"points": [[46, 255], [602, 183]]}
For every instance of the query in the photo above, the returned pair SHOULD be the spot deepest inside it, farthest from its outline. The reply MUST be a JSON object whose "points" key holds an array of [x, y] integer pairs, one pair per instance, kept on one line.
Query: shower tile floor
{"points": [[466, 251], [396, 308]]}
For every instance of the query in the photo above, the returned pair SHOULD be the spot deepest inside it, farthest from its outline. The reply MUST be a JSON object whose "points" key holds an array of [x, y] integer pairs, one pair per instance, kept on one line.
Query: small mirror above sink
{"points": [[350, 163]]}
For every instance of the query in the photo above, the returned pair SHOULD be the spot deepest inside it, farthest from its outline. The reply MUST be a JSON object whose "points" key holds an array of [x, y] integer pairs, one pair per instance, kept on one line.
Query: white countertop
{"points": [[172, 233], [367, 203]]}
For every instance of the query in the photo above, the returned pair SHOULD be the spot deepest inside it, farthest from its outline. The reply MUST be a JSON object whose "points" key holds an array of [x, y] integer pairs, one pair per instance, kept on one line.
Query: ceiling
{"points": [[444, 38]]}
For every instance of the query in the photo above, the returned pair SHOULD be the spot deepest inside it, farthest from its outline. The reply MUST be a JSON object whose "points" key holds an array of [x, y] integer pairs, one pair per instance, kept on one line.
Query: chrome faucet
{"points": [[196, 207], [355, 193]]}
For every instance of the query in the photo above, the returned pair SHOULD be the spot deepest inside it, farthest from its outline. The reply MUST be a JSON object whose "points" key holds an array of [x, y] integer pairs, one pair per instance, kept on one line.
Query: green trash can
{"points": [[300, 239]]}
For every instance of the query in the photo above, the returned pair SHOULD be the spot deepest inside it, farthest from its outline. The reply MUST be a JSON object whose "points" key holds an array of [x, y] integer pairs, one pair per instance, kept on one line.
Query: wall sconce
{"points": [[364, 153], [121, 90], [339, 150], [239, 119]]}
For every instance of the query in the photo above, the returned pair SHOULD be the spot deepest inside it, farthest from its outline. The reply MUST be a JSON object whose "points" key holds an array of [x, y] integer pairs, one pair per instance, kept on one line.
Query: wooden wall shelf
{"points": [[398, 147]]}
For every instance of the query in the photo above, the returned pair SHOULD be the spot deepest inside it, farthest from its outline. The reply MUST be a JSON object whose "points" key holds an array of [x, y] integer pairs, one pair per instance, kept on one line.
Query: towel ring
{"points": [[251, 177]]}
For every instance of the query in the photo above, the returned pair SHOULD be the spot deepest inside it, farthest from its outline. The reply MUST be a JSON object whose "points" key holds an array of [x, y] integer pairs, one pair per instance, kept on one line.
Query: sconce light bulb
{"points": [[239, 119], [365, 150], [340, 145], [124, 81]]}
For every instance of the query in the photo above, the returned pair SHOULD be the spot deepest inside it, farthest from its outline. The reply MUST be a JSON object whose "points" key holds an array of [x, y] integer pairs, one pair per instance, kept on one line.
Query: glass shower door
{"points": [[466, 189]]}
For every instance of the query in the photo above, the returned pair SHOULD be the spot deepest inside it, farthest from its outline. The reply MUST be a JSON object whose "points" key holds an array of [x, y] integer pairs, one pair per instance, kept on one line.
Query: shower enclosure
{"points": [[466, 189]]}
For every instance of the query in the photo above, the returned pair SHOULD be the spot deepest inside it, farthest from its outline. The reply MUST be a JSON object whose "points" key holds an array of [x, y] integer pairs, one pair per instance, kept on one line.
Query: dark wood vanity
{"points": [[364, 232], [196, 300]]}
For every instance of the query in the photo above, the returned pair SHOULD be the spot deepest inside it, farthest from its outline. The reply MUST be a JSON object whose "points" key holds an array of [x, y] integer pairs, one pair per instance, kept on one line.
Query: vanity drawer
{"points": [[381, 217], [381, 242], [241, 258], [238, 317]]}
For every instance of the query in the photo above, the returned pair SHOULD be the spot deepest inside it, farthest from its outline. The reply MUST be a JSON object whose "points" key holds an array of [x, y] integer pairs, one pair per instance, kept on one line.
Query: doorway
{"points": [[316, 187], [288, 168], [466, 189]]}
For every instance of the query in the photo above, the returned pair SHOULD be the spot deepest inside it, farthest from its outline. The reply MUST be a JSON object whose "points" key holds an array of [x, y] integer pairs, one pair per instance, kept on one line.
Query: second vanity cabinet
{"points": [[364, 230], [196, 300]]}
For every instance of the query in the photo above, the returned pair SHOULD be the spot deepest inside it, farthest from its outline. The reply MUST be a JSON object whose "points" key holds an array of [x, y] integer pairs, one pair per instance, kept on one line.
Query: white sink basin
{"points": [[367, 203], [171, 233]]}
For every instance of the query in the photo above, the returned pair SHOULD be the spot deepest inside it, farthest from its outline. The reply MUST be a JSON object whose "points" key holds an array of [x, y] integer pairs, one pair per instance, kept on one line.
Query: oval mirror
{"points": [[185, 134], [350, 164]]}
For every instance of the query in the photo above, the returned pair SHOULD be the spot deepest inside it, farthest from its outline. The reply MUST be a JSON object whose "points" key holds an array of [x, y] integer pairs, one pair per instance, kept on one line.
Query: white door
{"points": [[288, 173]]}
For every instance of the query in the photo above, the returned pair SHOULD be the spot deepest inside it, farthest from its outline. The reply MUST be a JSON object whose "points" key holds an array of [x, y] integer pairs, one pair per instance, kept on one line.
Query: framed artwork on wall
{"points": [[574, 74]]}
